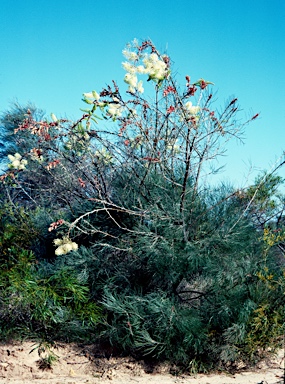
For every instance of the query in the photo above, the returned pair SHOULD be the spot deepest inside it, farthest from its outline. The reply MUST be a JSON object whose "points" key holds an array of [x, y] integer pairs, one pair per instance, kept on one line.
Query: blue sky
{"points": [[53, 51]]}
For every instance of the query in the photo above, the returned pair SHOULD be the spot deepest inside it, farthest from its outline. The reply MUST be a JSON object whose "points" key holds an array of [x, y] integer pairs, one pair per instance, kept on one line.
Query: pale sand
{"points": [[79, 365]]}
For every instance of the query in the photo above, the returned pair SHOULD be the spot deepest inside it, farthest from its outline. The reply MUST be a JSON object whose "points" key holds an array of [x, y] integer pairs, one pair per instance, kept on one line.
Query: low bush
{"points": [[118, 211], [37, 299]]}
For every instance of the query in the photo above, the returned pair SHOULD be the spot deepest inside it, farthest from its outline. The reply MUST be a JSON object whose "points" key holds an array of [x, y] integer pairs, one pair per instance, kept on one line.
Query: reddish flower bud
{"points": [[170, 110], [168, 90], [81, 182], [191, 90]]}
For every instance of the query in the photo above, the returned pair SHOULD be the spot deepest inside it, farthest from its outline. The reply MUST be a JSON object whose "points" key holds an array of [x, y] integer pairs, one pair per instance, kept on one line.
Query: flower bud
{"points": [[96, 95], [18, 156], [74, 246], [67, 247], [88, 95], [54, 118], [11, 158], [59, 251]]}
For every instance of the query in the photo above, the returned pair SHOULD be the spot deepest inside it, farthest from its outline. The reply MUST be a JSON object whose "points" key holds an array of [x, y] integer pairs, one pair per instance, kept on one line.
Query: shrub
{"points": [[41, 300], [177, 264]]}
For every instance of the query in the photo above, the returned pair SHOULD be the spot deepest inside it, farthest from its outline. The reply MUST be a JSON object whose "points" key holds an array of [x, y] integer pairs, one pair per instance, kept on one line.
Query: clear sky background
{"points": [[54, 50]]}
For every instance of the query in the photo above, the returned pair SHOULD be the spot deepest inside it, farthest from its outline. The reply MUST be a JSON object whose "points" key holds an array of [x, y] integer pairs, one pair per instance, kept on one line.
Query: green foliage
{"points": [[189, 292], [48, 361], [47, 356], [16, 231], [156, 325], [264, 200], [9, 121], [39, 299], [197, 298]]}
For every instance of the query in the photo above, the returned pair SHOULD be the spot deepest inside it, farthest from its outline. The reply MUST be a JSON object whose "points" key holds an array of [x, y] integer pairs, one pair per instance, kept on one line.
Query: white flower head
{"points": [[59, 251], [74, 246], [191, 109], [53, 117], [115, 110], [131, 79], [17, 156], [128, 67], [65, 245], [129, 55], [91, 95], [141, 69], [58, 241], [17, 162], [155, 67], [22, 165], [104, 156], [140, 87], [96, 95], [88, 95]]}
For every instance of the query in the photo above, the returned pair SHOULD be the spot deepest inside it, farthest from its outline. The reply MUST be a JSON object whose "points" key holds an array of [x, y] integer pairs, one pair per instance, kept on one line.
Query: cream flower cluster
{"points": [[129, 55], [173, 148], [155, 67], [191, 109], [17, 162], [115, 110], [132, 80], [104, 156], [78, 142], [65, 245], [92, 95]]}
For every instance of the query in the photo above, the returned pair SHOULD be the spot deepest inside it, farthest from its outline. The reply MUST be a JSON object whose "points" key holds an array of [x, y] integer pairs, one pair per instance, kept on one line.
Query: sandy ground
{"points": [[79, 364]]}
